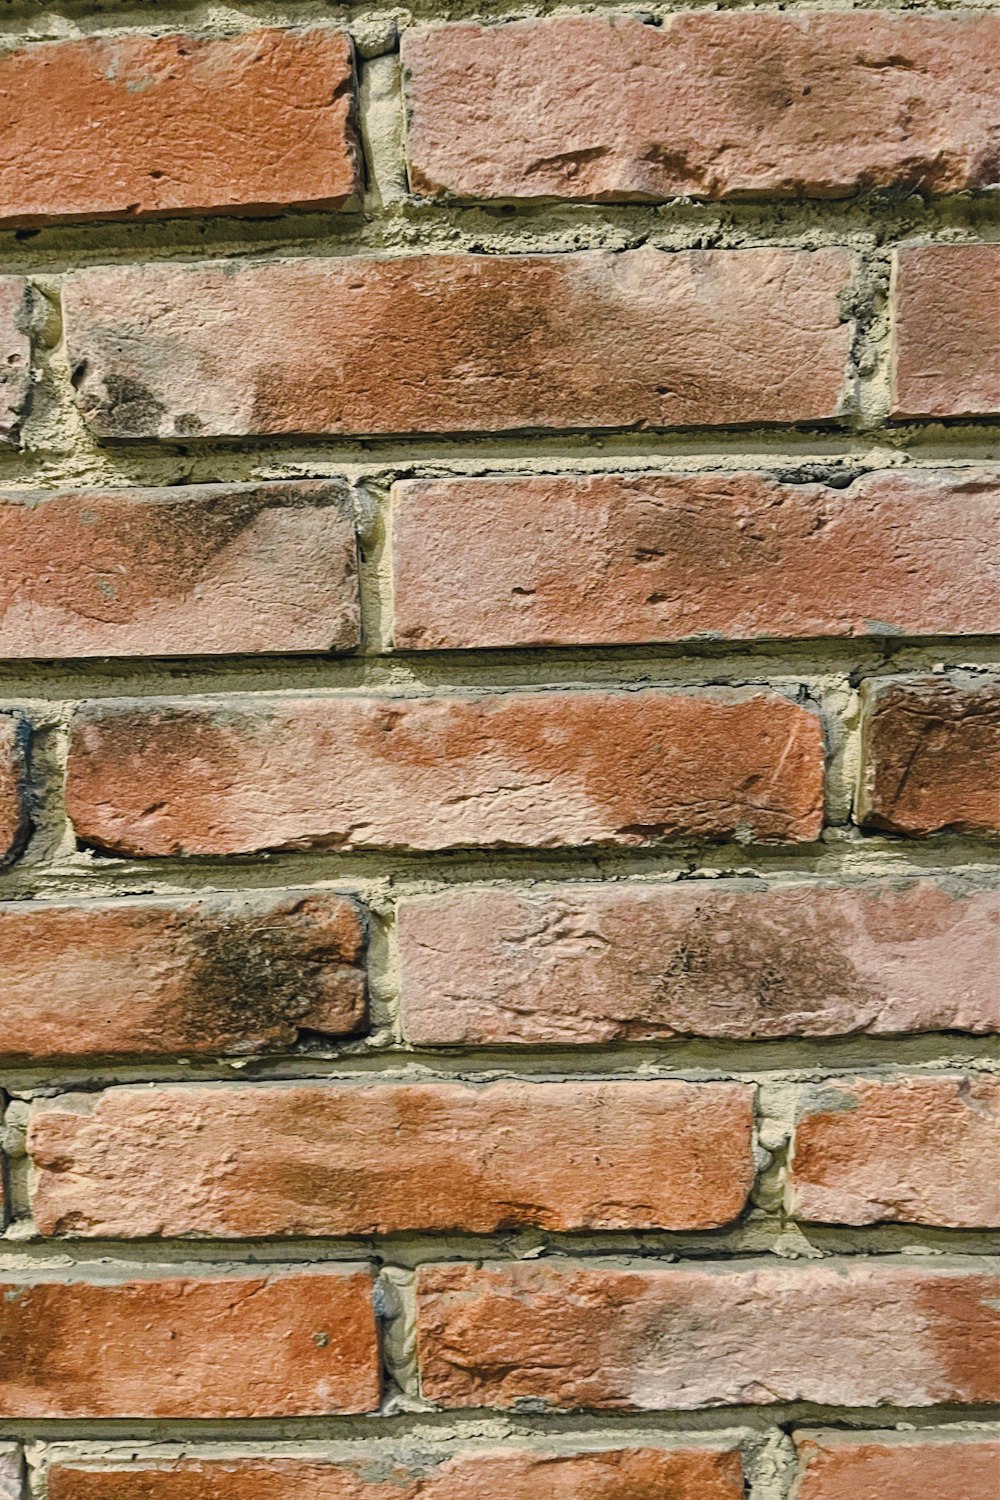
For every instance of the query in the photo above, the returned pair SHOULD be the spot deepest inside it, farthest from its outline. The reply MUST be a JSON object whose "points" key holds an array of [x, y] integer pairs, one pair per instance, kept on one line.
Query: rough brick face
{"points": [[14, 817], [931, 755], [683, 1337], [635, 558], [705, 106], [178, 572], [236, 974], [295, 1344], [11, 1473], [946, 354], [532, 769], [896, 1466], [15, 356], [572, 963], [298, 1159], [141, 125], [459, 343]]}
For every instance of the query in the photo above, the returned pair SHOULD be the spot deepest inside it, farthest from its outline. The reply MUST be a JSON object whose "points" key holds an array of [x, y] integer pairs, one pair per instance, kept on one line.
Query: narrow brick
{"points": [[628, 559], [513, 1473], [12, 1472], [294, 1344], [599, 963], [185, 571], [14, 814], [930, 755], [843, 1333], [895, 1465], [920, 1150], [705, 106], [158, 125], [946, 349], [294, 1160], [15, 356], [214, 974], [459, 343], [539, 769]]}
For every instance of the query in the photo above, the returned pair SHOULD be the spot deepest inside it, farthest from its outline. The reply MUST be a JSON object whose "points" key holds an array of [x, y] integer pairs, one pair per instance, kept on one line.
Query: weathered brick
{"points": [[15, 356], [844, 1333], [919, 1150], [178, 572], [235, 973], [930, 755], [513, 1473], [233, 775], [292, 1160], [628, 962], [946, 349], [293, 1344], [704, 106], [633, 558], [896, 1465], [137, 125], [11, 1472], [446, 343], [14, 815]]}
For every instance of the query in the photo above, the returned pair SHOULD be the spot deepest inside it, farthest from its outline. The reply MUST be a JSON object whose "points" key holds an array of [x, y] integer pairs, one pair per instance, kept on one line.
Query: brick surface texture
{"points": [[500, 752]]}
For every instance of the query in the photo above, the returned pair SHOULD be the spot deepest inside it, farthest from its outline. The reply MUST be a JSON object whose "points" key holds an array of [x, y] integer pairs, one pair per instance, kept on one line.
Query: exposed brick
{"points": [[704, 106], [15, 356], [143, 125], [237, 974], [895, 1466], [629, 962], [446, 343], [648, 1473], [844, 1333], [233, 775], [12, 1471], [633, 558], [14, 815], [295, 1344], [946, 352], [919, 1150], [292, 1160], [931, 755], [177, 572]]}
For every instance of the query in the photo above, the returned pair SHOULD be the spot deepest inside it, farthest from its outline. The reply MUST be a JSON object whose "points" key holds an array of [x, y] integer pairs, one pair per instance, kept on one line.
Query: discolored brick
{"points": [[15, 356], [15, 821], [945, 1465]]}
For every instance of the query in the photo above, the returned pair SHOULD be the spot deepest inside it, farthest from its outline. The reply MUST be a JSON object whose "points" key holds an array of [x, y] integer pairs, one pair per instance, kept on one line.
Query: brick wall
{"points": [[499, 752]]}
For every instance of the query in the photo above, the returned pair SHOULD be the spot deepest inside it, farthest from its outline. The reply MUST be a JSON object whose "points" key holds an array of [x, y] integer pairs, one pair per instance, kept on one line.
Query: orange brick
{"points": [[896, 1466]]}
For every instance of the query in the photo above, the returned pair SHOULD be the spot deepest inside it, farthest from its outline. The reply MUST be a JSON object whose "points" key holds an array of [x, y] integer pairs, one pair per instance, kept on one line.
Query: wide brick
{"points": [[177, 572], [143, 125], [704, 106], [446, 343], [894, 1466], [624, 559], [628, 962], [14, 814], [12, 1471], [232, 974], [300, 1344], [648, 1473], [919, 1150], [847, 1333], [348, 1159], [930, 755], [15, 356], [234, 775], [946, 350]]}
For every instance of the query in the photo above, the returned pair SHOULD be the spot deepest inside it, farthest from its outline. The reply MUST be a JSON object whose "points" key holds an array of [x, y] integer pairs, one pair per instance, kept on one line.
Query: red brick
{"points": [[294, 1160], [177, 125], [703, 106], [622, 559], [446, 343], [918, 1150], [844, 1333], [295, 1344], [184, 571], [538, 769], [561, 964], [15, 356], [946, 352], [649, 1473], [14, 816], [931, 755], [212, 974], [895, 1466]]}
